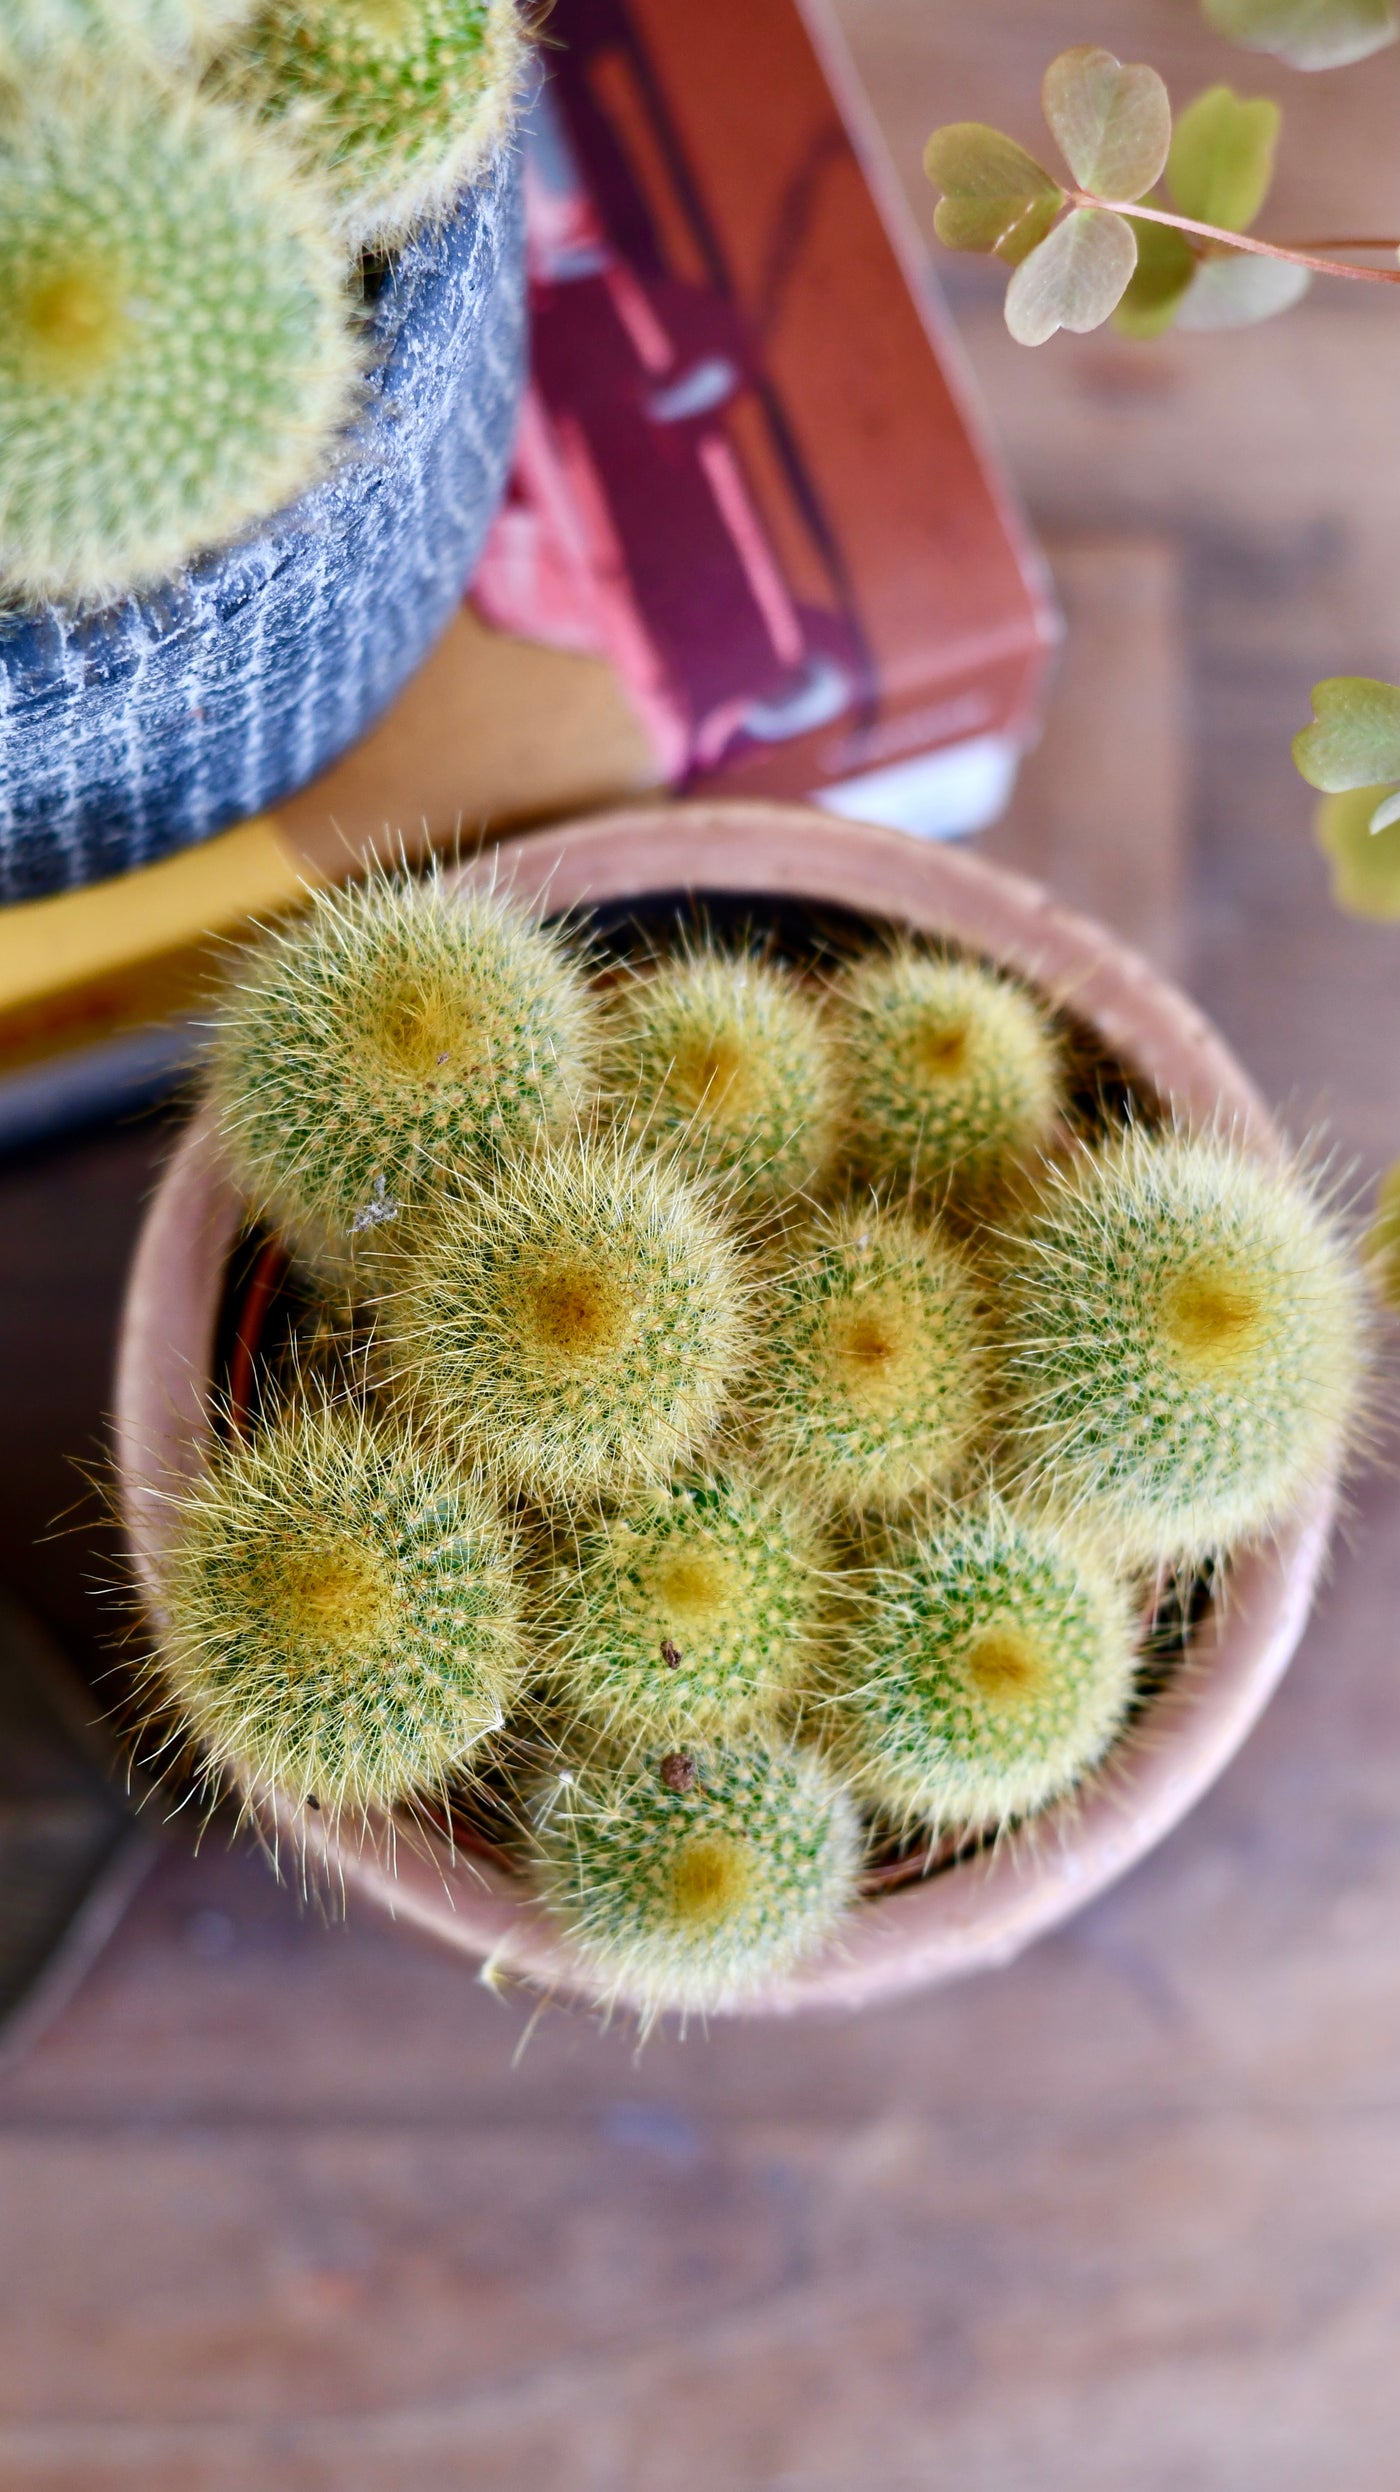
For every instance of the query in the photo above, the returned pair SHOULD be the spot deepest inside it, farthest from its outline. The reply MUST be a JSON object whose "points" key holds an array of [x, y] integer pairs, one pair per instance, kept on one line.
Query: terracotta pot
{"points": [[984, 1910]]}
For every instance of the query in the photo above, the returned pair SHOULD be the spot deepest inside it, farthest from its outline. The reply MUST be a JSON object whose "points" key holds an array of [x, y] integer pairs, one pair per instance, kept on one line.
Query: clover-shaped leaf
{"points": [[1354, 740], [996, 197], [1222, 158], [1166, 269], [1073, 279], [1382, 1244], [1365, 862], [1307, 34], [1237, 289], [1112, 119]]}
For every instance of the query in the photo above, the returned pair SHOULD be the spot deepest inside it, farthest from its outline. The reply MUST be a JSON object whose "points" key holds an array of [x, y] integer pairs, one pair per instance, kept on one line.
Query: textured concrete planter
{"points": [[126, 735], [983, 1911]]}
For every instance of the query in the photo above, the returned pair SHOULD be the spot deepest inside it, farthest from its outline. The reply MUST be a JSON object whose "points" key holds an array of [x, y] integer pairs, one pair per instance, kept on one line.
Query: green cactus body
{"points": [[396, 102], [342, 1619], [577, 1321], [699, 1614], [954, 1080], [990, 1668], [1186, 1344], [176, 350], [391, 1040], [728, 1062], [874, 1381], [693, 1879]]}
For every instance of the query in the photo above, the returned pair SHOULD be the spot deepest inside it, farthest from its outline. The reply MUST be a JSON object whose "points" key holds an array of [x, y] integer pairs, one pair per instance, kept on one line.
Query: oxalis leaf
{"points": [[1113, 120], [1072, 280], [1222, 158], [1382, 1247], [1365, 863], [1238, 288], [1354, 740], [1166, 267], [1308, 34], [996, 197]]}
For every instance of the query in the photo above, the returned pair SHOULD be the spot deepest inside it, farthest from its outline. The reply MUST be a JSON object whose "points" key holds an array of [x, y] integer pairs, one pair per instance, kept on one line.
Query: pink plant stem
{"points": [[1240, 242]]}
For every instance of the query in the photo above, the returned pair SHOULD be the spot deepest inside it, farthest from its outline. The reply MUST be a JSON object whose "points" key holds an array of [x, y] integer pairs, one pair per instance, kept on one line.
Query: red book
{"points": [[749, 473]]}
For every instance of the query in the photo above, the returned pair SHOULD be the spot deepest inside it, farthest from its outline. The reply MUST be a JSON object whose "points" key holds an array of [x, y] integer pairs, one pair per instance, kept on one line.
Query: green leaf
{"points": [[1222, 158], [1382, 1243], [1308, 34], [1239, 288], [1365, 863], [1072, 280], [1354, 740], [1166, 265], [1114, 122], [996, 197]]}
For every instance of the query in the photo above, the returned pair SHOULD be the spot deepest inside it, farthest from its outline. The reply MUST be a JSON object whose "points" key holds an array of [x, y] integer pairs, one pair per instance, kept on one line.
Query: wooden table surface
{"points": [[288, 2206]]}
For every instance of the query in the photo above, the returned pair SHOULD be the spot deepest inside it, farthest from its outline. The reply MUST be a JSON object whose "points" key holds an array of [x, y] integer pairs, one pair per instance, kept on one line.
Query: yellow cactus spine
{"points": [[1186, 1342], [699, 1613], [874, 1381], [577, 1320], [342, 1621], [692, 1879], [386, 1043], [991, 1666], [954, 1081], [176, 349], [727, 1061]]}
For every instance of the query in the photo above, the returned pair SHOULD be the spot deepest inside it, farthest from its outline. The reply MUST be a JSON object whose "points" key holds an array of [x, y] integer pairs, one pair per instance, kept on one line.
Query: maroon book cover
{"points": [[746, 473]]}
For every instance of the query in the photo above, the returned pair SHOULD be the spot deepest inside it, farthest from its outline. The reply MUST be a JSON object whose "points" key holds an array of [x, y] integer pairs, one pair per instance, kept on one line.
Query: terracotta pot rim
{"points": [[984, 1909]]}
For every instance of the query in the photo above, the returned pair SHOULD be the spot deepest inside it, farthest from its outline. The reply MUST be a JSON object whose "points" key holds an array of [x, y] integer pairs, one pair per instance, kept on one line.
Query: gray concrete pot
{"points": [[138, 731]]}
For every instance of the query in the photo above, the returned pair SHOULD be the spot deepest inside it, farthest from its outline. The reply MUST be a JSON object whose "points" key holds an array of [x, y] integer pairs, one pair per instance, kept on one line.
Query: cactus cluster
{"points": [[181, 322], [774, 1425]]}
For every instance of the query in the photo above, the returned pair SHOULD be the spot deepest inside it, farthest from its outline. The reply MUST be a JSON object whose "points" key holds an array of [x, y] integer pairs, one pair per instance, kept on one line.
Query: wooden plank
{"points": [[1101, 811]]}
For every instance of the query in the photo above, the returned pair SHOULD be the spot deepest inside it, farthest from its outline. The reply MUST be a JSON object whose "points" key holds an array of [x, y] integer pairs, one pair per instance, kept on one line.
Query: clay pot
{"points": [[984, 1909]]}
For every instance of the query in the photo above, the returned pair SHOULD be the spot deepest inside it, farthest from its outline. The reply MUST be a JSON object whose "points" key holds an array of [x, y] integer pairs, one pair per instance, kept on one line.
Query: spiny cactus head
{"points": [[397, 103], [990, 1668], [953, 1072], [699, 1613], [392, 1039], [176, 351], [874, 1381], [342, 1617], [177, 33], [690, 1880], [578, 1320], [1187, 1344], [727, 1061]]}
